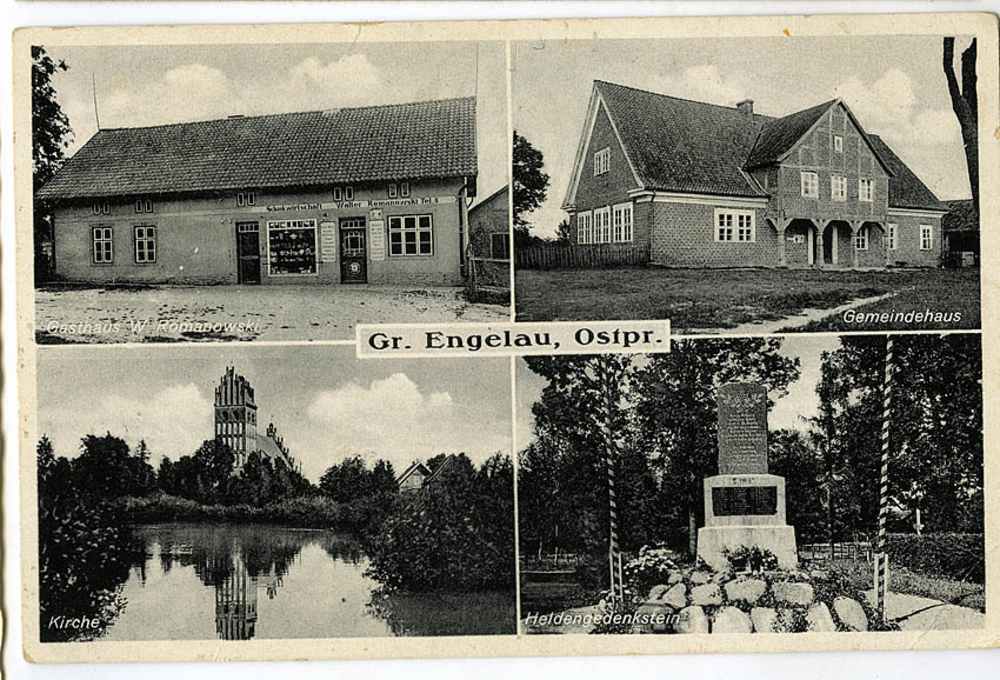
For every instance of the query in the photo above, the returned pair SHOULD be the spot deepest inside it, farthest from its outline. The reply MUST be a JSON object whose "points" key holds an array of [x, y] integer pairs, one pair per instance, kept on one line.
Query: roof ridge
{"points": [[289, 113], [676, 98]]}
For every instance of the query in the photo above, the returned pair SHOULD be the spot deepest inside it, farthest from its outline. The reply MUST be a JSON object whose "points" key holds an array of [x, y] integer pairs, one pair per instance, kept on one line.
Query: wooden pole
{"points": [[609, 457], [883, 500]]}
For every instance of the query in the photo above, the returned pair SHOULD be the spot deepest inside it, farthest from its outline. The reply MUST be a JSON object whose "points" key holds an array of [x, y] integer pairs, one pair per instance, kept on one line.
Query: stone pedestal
{"points": [[744, 506]]}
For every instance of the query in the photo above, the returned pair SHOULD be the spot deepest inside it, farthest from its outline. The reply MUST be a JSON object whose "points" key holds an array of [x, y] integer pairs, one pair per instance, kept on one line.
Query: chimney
{"points": [[746, 107]]}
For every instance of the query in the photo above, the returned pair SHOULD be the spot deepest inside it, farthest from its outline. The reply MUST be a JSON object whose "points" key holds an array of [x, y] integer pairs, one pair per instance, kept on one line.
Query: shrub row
{"points": [[948, 555], [303, 511]]}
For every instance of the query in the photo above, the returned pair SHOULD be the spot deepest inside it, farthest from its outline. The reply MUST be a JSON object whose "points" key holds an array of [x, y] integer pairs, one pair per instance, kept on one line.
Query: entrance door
{"points": [[248, 252], [353, 251]]}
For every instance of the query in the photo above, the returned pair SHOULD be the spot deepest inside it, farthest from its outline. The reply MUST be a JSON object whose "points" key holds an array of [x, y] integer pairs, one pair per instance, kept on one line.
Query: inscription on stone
{"points": [[742, 429], [729, 501]]}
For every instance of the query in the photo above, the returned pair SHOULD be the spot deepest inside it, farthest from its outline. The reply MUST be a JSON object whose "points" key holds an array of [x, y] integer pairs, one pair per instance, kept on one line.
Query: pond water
{"points": [[207, 581]]}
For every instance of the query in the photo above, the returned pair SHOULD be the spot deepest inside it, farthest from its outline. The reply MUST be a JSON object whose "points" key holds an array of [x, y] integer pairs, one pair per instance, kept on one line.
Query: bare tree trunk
{"points": [[965, 104]]}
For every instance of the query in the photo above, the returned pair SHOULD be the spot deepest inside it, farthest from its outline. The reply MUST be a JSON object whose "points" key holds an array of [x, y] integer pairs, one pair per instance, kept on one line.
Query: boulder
{"points": [[691, 620], [675, 577], [656, 592], [731, 620], [676, 596], [819, 575], [652, 617], [699, 577], [818, 619], [793, 593], [706, 595], [764, 619], [748, 590], [851, 613]]}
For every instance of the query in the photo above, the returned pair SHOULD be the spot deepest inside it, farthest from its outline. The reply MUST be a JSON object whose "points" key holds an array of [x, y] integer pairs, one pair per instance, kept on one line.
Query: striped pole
{"points": [[609, 458], [883, 500]]}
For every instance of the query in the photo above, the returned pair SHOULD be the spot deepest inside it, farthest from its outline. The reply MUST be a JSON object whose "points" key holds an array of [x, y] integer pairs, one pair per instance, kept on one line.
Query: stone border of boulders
{"points": [[697, 600]]}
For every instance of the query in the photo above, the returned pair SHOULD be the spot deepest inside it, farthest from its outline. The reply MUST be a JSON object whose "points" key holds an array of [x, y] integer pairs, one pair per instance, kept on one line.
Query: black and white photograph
{"points": [[754, 485], [267, 191], [748, 185], [272, 493]]}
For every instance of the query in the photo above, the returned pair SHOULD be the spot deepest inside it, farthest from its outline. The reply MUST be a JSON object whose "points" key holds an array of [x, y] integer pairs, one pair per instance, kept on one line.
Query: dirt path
{"points": [[792, 322], [912, 612], [193, 313]]}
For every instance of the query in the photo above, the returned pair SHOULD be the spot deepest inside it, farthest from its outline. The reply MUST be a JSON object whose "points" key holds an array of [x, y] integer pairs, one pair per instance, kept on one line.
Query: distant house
{"points": [[373, 194], [413, 477], [489, 226], [419, 475], [707, 185], [961, 233]]}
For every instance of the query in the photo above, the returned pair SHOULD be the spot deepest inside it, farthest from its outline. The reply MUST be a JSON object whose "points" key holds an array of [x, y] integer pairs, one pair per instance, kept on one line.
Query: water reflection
{"points": [[198, 582]]}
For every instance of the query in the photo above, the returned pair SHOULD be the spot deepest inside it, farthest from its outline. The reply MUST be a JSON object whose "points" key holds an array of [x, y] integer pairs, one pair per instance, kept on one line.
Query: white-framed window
{"points": [[602, 161], [621, 223], [838, 188], [101, 208], [291, 248], [866, 190], [735, 225], [393, 190], [404, 189], [104, 247], [892, 236], [838, 143], [246, 198], [926, 237], [861, 239], [602, 225], [348, 193], [144, 205], [145, 244], [810, 184], [411, 235], [500, 246], [338, 194], [585, 228]]}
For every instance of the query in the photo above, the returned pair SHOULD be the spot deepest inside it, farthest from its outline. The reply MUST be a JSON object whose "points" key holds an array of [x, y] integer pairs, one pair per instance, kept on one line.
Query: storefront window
{"points": [[291, 247]]}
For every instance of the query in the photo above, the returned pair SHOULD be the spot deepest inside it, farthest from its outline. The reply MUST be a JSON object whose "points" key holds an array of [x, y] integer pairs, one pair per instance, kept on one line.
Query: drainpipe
{"points": [[463, 226]]}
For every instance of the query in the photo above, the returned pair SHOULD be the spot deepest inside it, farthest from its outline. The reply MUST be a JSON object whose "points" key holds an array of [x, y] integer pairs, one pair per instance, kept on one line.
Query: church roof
{"points": [[270, 449]]}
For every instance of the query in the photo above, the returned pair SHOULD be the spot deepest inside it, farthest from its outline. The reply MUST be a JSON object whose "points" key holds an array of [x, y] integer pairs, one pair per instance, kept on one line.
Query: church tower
{"points": [[236, 415]]}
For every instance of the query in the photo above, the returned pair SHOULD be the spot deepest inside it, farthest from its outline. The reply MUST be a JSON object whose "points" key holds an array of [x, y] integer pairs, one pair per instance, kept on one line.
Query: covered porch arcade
{"points": [[834, 243]]}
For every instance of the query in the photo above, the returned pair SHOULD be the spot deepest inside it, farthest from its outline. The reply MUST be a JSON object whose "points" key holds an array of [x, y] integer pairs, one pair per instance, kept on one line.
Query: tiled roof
{"points": [[270, 449], [778, 135], [688, 146], [682, 145], [905, 188], [962, 216], [432, 139]]}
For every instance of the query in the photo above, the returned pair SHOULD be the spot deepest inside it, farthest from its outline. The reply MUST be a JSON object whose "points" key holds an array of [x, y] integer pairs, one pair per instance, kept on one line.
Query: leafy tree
{"points": [[564, 235], [936, 441], [107, 469], [50, 137], [530, 185], [676, 410], [793, 455], [455, 533], [965, 104], [347, 481]]}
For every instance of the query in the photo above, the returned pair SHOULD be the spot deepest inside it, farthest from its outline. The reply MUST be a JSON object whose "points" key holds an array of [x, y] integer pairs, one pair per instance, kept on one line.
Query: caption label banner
{"points": [[506, 339]]}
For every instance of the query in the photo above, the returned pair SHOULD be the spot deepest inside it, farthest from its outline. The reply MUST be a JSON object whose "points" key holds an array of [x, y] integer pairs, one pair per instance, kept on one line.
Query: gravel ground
{"points": [[194, 313]]}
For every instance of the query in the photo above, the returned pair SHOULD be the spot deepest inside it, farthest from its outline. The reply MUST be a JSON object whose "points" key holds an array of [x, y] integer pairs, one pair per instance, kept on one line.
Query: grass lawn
{"points": [[719, 299], [902, 580]]}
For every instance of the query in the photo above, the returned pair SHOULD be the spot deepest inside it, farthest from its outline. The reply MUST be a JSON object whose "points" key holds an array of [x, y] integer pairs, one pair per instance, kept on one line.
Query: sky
{"points": [[894, 85], [789, 412], [158, 84], [326, 403]]}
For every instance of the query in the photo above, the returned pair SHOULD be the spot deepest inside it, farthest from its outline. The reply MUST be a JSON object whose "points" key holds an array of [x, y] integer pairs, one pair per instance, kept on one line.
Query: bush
{"points": [[651, 567], [949, 555]]}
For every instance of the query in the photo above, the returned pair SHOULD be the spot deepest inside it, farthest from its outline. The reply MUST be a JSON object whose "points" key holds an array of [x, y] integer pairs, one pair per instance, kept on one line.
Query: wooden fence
{"points": [[556, 256], [841, 551]]}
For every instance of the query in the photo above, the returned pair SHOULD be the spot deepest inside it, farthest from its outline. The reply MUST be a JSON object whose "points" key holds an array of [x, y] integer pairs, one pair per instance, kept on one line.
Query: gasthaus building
{"points": [[374, 194], [702, 185]]}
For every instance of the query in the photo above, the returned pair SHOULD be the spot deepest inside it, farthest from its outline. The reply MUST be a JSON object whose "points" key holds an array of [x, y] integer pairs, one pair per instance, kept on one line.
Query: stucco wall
{"points": [[196, 237]]}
